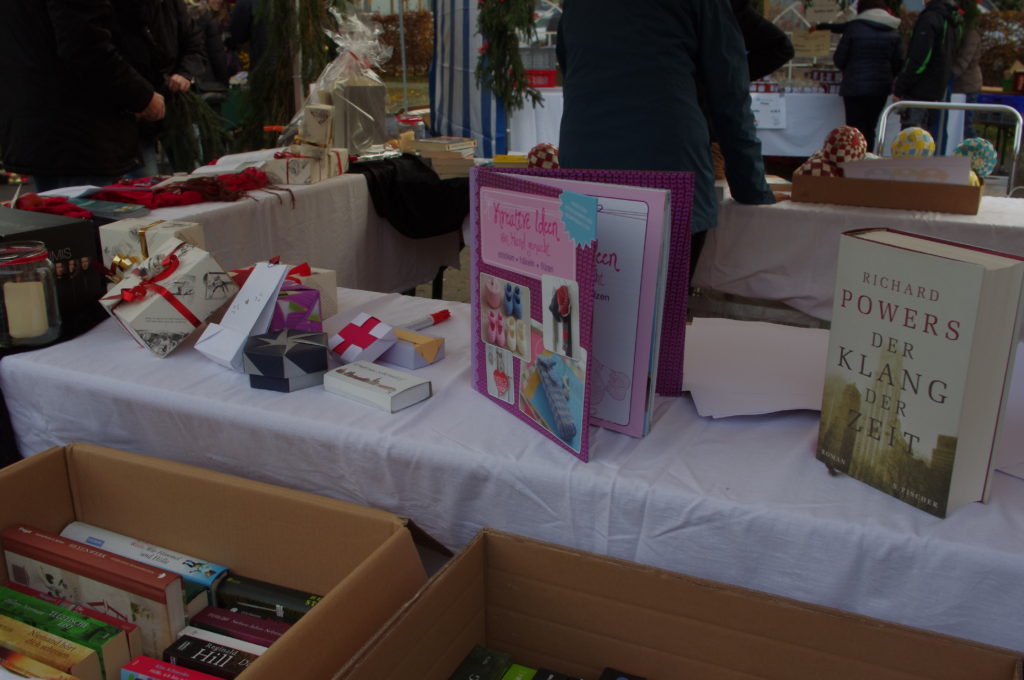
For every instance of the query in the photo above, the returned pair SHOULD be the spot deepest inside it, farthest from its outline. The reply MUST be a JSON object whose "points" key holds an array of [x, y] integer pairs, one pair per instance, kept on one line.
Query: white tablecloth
{"points": [[332, 224], [788, 251], [739, 500], [532, 125]]}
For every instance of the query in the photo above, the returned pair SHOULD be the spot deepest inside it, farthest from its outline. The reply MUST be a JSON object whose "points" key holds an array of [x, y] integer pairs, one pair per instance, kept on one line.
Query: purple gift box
{"points": [[298, 308]]}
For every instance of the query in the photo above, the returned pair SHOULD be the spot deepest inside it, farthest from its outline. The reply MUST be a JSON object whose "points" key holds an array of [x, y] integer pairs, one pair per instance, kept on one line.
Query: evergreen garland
{"points": [[270, 98], [193, 133], [502, 24]]}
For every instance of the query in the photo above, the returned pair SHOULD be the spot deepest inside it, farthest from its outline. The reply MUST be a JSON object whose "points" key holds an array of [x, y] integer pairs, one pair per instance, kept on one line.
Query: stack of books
{"points": [[91, 604], [448, 156]]}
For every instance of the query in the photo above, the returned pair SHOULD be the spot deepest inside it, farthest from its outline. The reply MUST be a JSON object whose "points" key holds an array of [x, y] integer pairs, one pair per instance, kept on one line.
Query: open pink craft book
{"points": [[568, 285]]}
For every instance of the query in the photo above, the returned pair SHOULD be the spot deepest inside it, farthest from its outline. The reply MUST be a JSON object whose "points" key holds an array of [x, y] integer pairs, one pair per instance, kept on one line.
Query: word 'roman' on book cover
{"points": [[133, 591], [921, 351], [109, 642]]}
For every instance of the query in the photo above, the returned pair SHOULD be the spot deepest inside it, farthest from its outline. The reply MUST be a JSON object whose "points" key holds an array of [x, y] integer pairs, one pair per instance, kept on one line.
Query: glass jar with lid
{"points": [[28, 295]]}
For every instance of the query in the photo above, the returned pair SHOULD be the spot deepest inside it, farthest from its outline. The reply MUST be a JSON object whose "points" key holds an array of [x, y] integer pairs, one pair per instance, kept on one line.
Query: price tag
{"points": [[769, 110]]}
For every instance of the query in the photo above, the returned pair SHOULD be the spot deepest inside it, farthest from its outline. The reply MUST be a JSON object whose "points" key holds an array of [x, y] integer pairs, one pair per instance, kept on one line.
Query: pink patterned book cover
{"points": [[532, 299], [669, 380]]}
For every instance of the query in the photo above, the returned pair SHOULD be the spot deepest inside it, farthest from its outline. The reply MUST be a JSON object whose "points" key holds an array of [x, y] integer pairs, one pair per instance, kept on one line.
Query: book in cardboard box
{"points": [[151, 598], [199, 575], [50, 649], [169, 296], [256, 629], [208, 657], [577, 613], [148, 668], [246, 524], [24, 666], [921, 349], [109, 642]]}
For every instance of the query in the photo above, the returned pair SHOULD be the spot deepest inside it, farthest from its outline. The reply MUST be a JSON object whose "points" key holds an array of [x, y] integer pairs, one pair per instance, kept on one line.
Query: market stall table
{"points": [[740, 500], [330, 224], [787, 251]]}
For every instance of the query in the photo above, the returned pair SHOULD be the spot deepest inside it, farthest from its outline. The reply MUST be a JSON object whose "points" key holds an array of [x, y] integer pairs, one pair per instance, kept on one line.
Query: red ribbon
{"points": [[299, 270], [27, 259], [139, 292], [360, 336]]}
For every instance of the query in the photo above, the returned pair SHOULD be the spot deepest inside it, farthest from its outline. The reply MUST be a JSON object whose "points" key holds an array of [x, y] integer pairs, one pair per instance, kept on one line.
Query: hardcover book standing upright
{"points": [[920, 356], [672, 334], [633, 259], [532, 299]]}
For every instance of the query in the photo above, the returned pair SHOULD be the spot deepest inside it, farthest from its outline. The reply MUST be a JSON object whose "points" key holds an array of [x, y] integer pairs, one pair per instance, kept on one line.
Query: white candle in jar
{"points": [[25, 308]]}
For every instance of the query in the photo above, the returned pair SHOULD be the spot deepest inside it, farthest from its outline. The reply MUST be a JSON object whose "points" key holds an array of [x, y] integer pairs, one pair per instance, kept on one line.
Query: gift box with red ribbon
{"points": [[125, 243], [170, 295], [363, 339]]}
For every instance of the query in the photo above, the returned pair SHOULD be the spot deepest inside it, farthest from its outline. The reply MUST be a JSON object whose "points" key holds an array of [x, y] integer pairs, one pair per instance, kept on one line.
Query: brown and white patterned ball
{"points": [[543, 155], [845, 143], [818, 166]]}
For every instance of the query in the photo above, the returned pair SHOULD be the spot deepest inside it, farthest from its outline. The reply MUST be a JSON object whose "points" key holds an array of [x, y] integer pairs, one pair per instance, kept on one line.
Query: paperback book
{"points": [[255, 629], [208, 657], [259, 598], [375, 385], [150, 598], [148, 668], [24, 666], [532, 301], [199, 575], [50, 649], [109, 642], [921, 350]]}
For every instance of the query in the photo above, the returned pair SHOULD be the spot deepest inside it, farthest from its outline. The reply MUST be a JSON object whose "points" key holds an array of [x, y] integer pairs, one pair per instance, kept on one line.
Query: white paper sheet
{"points": [[737, 368]]}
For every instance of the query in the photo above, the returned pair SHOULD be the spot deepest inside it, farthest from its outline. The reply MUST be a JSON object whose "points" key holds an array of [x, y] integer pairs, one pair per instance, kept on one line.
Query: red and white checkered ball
{"points": [[818, 166], [544, 155], [845, 143]]}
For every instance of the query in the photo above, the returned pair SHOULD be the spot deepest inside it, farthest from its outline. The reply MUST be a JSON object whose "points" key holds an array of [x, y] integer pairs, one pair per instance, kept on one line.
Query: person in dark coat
{"points": [[869, 55], [927, 70], [68, 115], [246, 28], [159, 38], [768, 47], [630, 75]]}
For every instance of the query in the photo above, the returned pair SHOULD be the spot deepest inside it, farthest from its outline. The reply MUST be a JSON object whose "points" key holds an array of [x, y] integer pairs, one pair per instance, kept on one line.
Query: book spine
{"points": [[130, 629], [148, 668], [208, 657], [109, 643], [25, 666], [192, 569], [226, 640], [100, 565], [259, 598], [50, 649], [247, 627], [97, 579]]}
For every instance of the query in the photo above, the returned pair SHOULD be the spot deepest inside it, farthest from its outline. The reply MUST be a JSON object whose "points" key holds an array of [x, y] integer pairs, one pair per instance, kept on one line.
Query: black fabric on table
{"points": [[410, 195]]}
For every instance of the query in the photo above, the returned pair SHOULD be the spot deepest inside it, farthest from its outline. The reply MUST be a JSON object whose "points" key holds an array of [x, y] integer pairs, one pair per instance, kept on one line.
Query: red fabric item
{"points": [[55, 205], [192, 190]]}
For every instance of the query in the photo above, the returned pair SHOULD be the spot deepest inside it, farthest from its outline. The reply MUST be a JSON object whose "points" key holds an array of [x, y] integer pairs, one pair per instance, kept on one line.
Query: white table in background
{"points": [[331, 224], [740, 500], [787, 251]]}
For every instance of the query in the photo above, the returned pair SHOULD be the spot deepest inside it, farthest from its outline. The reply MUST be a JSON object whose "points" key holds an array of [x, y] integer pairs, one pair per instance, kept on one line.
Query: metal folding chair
{"points": [[998, 108]]}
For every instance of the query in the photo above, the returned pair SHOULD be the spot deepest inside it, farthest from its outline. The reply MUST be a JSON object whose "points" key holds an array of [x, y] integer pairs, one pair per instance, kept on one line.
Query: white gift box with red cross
{"points": [[363, 339]]}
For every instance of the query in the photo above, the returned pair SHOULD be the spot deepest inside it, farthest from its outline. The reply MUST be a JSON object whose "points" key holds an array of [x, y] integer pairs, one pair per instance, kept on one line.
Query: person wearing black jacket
{"points": [[869, 55], [768, 47], [928, 67], [159, 38], [71, 103]]}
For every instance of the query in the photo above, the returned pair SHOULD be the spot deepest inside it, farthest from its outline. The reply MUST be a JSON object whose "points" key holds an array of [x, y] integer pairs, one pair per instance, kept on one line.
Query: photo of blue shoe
{"points": [[507, 301], [517, 303]]}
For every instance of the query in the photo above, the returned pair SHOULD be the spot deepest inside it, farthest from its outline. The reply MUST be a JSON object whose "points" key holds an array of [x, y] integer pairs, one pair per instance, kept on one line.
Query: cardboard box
{"points": [[286, 360], [964, 200], [577, 613], [364, 561]]}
